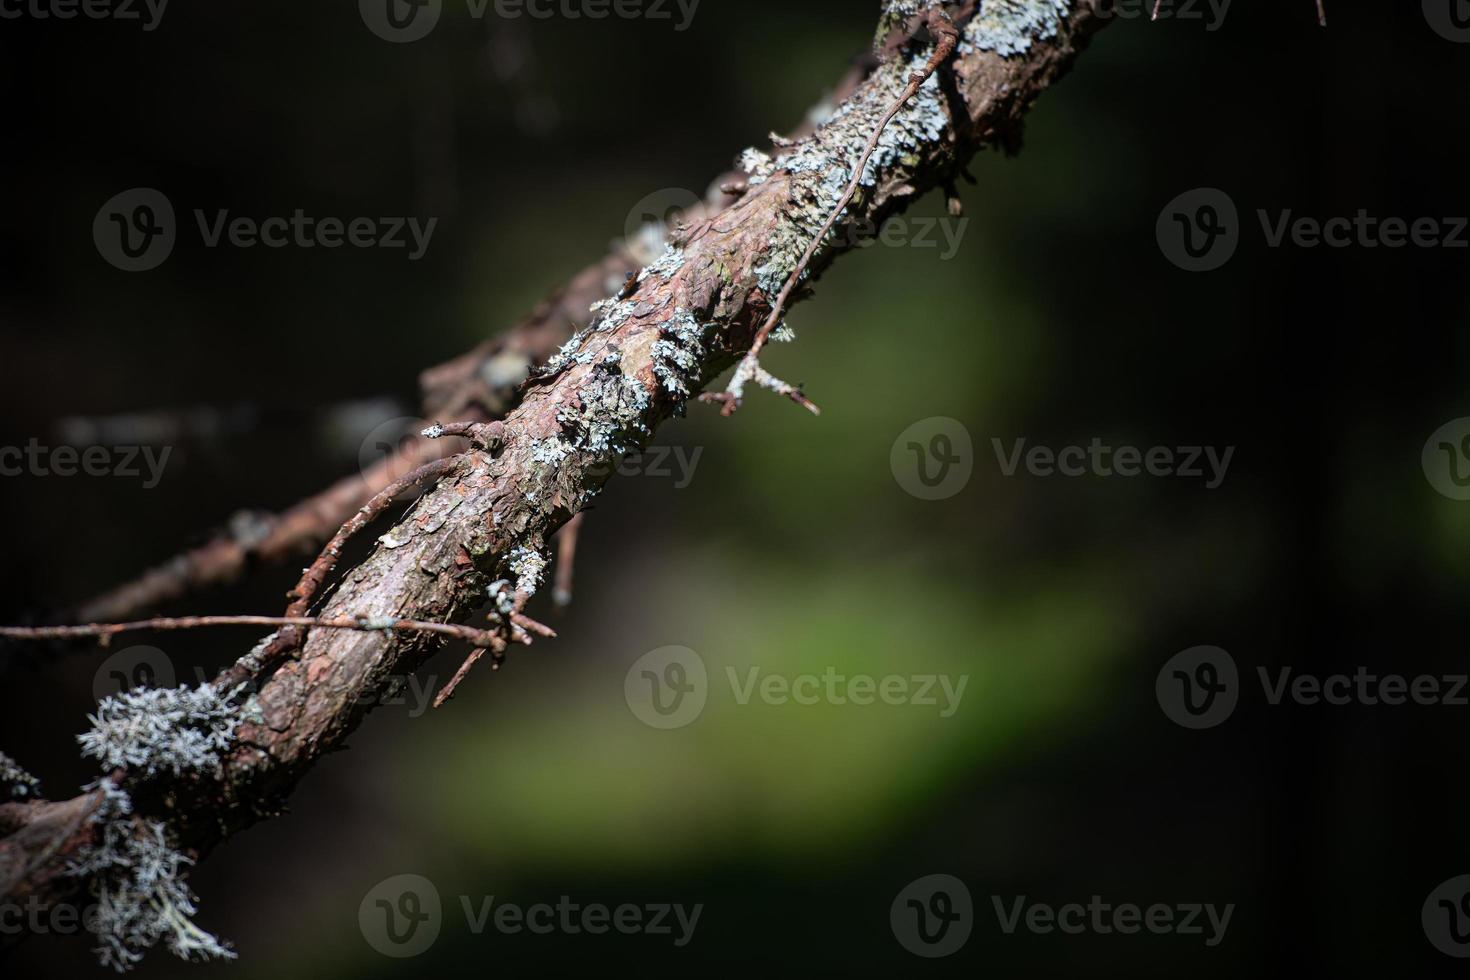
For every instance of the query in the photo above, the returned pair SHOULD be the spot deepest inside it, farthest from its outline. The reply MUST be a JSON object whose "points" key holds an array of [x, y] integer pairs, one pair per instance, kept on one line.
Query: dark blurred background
{"points": [[793, 547]]}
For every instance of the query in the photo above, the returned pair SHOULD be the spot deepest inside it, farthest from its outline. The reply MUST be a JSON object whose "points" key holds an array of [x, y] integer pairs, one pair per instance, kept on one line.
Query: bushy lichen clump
{"points": [[137, 878], [174, 730], [134, 870]]}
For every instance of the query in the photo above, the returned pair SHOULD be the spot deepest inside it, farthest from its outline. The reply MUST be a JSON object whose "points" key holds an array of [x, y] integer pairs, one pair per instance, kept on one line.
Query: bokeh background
{"points": [[793, 548]]}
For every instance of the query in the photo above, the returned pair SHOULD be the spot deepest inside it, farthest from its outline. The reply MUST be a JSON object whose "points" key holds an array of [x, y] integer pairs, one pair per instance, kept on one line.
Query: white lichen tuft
{"points": [[528, 565], [502, 596], [783, 334], [137, 878], [1009, 27], [757, 165], [174, 730]]}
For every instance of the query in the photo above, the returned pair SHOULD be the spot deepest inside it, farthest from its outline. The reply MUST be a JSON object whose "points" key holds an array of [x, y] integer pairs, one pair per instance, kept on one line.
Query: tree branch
{"points": [[650, 349]]}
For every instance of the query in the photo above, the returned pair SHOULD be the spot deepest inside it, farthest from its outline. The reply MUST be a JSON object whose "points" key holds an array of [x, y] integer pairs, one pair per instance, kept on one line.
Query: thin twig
{"points": [[105, 631], [316, 573], [289, 639], [566, 557], [518, 625], [486, 435], [947, 38]]}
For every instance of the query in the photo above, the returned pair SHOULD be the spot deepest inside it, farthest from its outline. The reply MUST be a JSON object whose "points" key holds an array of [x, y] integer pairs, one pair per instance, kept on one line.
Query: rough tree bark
{"points": [[650, 349]]}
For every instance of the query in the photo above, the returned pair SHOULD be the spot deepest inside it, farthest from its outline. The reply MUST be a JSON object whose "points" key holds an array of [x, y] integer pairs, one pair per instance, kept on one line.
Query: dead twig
{"points": [[105, 631], [518, 625], [947, 38], [566, 557]]}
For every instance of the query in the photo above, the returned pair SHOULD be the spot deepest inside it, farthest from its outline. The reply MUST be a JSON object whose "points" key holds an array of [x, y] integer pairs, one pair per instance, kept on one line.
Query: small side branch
{"points": [[566, 557], [106, 631], [947, 38]]}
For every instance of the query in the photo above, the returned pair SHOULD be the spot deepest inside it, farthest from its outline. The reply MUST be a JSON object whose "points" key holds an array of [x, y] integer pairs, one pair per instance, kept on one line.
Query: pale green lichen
{"points": [[821, 166], [137, 877], [528, 565], [670, 262], [1010, 27], [679, 353], [174, 730], [132, 867]]}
